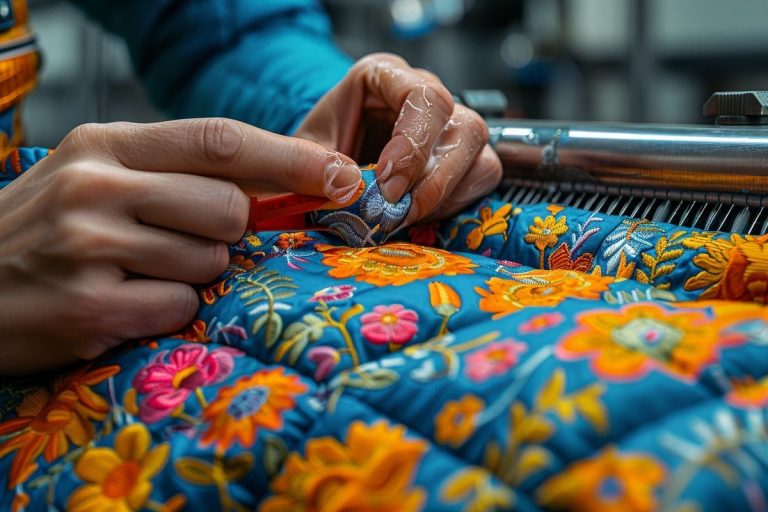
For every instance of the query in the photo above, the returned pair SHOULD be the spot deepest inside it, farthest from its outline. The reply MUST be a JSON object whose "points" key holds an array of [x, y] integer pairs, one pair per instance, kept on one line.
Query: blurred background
{"points": [[601, 60]]}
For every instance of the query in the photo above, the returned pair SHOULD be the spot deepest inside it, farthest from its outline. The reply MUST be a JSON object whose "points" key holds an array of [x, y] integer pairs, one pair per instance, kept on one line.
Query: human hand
{"points": [[98, 240], [432, 147]]}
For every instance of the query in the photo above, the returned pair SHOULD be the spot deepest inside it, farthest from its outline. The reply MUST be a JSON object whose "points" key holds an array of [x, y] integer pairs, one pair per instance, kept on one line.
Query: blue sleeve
{"points": [[265, 62]]}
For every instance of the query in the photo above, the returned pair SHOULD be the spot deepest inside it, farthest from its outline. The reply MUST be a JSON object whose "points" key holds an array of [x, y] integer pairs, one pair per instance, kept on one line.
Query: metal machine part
{"points": [[695, 176]]}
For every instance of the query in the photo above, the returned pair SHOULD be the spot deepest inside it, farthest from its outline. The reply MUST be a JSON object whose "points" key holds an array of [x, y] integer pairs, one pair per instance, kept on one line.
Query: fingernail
{"points": [[341, 181], [394, 188]]}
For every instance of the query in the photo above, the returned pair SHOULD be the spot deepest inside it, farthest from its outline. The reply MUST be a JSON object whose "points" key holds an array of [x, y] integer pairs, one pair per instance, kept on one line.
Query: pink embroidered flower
{"points": [[541, 322], [390, 324], [334, 293], [326, 358], [494, 359], [169, 383]]}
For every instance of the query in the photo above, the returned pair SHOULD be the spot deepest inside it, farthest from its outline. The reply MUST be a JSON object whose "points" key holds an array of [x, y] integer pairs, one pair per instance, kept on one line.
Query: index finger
{"points": [[424, 106], [228, 149]]}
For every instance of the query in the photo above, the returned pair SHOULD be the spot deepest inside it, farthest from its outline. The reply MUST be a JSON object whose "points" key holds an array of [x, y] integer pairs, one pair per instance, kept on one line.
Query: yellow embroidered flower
{"points": [[544, 288], [735, 269], [372, 470], [610, 482], [544, 233], [456, 421], [490, 223], [395, 264], [252, 403], [118, 479], [48, 422], [630, 342]]}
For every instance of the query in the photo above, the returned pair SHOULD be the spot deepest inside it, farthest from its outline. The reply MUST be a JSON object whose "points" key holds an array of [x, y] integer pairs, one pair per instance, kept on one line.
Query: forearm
{"points": [[265, 62]]}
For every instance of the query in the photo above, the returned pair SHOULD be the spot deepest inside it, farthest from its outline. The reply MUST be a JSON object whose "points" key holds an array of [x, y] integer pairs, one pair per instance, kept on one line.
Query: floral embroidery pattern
{"points": [[334, 293], [48, 422], [494, 359], [612, 481], [397, 336], [538, 288], [390, 324], [543, 234], [628, 343], [490, 223], [393, 264], [253, 403], [372, 470], [735, 269], [167, 384], [456, 421], [119, 478]]}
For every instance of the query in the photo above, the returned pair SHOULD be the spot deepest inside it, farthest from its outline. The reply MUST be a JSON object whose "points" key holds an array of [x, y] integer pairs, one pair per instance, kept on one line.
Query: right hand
{"points": [[99, 240]]}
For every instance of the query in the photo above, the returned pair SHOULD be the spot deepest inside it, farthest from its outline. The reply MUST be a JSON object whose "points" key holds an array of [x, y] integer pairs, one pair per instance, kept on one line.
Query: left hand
{"points": [[432, 147]]}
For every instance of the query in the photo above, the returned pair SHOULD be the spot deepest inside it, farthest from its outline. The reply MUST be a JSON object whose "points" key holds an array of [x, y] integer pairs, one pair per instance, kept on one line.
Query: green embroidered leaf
{"points": [[237, 467], [195, 471], [377, 378], [272, 325], [296, 351], [275, 453]]}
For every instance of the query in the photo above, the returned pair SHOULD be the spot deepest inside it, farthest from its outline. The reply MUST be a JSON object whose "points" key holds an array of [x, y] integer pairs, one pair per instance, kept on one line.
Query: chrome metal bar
{"points": [[687, 157]]}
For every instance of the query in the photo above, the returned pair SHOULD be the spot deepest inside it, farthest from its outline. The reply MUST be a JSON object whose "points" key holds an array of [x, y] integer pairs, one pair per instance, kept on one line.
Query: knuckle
{"points": [[81, 182], [84, 136], [220, 140], [79, 239]]}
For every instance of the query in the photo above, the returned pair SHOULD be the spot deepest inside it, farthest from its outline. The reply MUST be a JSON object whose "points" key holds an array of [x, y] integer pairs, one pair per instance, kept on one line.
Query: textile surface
{"points": [[534, 358]]}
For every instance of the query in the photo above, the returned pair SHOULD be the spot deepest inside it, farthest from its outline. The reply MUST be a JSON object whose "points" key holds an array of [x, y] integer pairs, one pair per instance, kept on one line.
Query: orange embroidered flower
{"points": [[121, 478], [252, 403], [395, 264], [456, 421], [288, 241], [733, 270], [544, 233], [372, 470], [490, 223], [749, 393], [610, 482], [48, 422], [545, 288], [630, 342]]}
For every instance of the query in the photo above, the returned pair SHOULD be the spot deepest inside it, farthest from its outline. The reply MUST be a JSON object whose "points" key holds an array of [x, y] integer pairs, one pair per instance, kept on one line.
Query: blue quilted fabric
{"points": [[511, 358]]}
